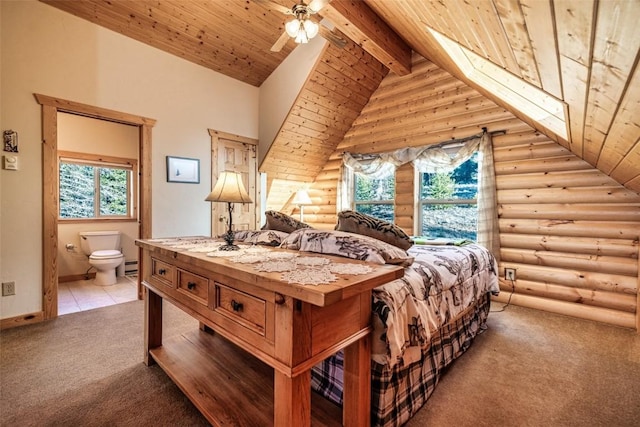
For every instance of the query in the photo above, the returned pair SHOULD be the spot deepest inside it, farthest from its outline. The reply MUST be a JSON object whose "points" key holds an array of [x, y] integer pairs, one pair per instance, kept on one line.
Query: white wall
{"points": [[44, 50]]}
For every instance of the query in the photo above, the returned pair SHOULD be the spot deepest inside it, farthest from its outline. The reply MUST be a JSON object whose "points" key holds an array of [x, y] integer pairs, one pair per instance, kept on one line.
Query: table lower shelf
{"points": [[227, 384]]}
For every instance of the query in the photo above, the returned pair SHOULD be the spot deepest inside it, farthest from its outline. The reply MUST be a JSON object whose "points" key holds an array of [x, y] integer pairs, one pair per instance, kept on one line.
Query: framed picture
{"points": [[10, 138], [182, 169]]}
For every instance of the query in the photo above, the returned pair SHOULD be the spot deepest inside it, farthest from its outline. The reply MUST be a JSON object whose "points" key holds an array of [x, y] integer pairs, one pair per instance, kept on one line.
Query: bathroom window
{"points": [[95, 187]]}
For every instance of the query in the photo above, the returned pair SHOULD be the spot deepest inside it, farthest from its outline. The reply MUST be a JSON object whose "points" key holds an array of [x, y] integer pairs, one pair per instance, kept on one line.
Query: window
{"points": [[91, 188], [448, 202], [375, 196]]}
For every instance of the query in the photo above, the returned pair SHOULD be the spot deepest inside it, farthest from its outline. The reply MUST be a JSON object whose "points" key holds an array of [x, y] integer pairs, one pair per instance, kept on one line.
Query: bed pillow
{"points": [[261, 237], [348, 245], [359, 223], [282, 222]]}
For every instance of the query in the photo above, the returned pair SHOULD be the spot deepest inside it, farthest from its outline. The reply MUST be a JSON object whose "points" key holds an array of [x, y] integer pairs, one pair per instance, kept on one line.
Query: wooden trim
{"points": [[25, 319], [90, 111], [50, 209], [145, 163], [50, 108], [638, 293], [133, 218], [233, 137]]}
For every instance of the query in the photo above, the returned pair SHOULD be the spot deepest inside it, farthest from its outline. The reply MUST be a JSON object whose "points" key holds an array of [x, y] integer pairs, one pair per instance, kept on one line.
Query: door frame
{"points": [[50, 181]]}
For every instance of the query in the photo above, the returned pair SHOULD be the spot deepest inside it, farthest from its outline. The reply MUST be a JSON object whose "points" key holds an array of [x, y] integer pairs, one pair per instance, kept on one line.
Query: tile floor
{"points": [[84, 295]]}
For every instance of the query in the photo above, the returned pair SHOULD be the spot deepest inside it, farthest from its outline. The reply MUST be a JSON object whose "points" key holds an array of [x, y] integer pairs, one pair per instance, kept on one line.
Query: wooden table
{"points": [[255, 368]]}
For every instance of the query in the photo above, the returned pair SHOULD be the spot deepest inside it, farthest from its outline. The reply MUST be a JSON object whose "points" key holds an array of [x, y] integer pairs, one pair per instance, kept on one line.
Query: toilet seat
{"points": [[108, 254]]}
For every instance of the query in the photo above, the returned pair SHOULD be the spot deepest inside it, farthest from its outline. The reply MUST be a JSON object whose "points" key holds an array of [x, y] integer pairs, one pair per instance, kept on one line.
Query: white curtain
{"points": [[488, 229], [345, 189], [434, 159]]}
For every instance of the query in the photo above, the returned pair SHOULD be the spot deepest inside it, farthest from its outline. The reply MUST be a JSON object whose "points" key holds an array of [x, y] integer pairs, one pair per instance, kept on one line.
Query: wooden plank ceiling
{"points": [[579, 52]]}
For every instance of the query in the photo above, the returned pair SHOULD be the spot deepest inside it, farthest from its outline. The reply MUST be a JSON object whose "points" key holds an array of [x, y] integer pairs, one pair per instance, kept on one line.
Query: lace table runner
{"points": [[304, 270]]}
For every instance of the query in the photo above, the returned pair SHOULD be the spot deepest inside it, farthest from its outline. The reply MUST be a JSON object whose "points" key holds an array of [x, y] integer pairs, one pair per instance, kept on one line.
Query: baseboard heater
{"points": [[130, 267]]}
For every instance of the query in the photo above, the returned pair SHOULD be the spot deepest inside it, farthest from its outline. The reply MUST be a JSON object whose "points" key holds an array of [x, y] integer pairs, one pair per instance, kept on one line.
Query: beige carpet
{"points": [[529, 369]]}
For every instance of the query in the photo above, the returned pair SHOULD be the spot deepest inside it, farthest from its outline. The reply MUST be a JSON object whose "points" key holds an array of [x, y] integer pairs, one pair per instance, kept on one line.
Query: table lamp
{"points": [[230, 189], [300, 199]]}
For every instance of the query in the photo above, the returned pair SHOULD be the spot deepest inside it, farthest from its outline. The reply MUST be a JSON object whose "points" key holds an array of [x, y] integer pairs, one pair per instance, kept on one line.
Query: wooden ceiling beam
{"points": [[362, 25]]}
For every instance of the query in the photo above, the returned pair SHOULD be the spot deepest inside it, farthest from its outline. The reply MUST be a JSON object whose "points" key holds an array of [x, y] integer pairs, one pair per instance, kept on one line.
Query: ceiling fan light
{"points": [[311, 28], [302, 36], [293, 27]]}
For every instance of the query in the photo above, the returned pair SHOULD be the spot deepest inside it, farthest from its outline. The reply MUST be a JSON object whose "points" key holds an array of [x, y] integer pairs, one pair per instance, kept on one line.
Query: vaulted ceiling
{"points": [[568, 68]]}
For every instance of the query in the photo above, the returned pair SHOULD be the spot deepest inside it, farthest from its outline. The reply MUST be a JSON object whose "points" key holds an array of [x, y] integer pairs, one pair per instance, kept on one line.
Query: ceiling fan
{"points": [[303, 27]]}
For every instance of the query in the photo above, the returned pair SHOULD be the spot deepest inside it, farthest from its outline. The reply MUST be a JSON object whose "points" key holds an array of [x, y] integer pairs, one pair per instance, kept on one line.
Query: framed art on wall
{"points": [[183, 169]]}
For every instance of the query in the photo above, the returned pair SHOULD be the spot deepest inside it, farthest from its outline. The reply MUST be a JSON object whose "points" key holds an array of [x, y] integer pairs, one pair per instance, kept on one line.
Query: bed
{"points": [[422, 322]]}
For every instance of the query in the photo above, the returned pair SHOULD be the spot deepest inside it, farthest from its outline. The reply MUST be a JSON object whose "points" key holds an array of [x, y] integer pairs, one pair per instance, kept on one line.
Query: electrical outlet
{"points": [[510, 274], [8, 288]]}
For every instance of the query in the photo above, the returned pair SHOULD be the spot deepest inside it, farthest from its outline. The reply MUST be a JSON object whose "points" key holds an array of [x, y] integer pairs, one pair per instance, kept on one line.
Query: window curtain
{"points": [[345, 189], [434, 159], [488, 229]]}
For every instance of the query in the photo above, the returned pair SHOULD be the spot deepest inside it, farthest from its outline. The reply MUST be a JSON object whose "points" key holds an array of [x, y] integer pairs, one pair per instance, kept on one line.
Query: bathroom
{"points": [[88, 144]]}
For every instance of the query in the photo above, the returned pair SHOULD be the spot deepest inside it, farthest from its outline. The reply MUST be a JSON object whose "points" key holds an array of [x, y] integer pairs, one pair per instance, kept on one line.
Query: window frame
{"points": [[100, 161], [421, 203]]}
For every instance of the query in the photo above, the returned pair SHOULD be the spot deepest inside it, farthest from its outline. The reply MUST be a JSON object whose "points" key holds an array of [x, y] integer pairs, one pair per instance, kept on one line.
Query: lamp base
{"points": [[229, 237], [229, 248]]}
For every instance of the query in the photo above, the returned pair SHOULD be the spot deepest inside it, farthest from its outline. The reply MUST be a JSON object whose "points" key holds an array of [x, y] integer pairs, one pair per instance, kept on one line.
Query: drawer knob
{"points": [[191, 285], [235, 305], [162, 271], [279, 299]]}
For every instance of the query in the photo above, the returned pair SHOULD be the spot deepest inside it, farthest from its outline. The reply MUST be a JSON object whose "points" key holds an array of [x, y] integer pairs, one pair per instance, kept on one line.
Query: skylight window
{"points": [[521, 95]]}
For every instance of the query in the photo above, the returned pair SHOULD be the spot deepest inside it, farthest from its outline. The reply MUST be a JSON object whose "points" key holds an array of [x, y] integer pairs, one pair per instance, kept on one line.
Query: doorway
{"points": [[98, 172], [50, 109], [236, 154]]}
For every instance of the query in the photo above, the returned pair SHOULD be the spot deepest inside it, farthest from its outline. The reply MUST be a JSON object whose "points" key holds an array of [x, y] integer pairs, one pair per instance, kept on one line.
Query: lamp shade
{"points": [[229, 188], [293, 27], [311, 28], [302, 198], [301, 29]]}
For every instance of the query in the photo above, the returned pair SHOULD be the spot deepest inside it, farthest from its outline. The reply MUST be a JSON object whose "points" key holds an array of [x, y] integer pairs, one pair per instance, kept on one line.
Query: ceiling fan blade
{"points": [[333, 37], [279, 44], [275, 6], [316, 5]]}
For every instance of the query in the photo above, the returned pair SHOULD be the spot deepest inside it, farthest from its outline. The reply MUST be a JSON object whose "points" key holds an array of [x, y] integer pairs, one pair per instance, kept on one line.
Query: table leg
{"points": [[292, 400], [356, 409], [152, 324]]}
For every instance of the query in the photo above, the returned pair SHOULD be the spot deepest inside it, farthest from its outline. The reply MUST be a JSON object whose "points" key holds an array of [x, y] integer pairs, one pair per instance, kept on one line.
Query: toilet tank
{"points": [[91, 241]]}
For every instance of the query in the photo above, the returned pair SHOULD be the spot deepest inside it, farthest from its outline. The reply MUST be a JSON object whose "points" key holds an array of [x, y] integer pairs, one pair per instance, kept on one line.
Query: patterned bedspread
{"points": [[421, 323], [441, 283]]}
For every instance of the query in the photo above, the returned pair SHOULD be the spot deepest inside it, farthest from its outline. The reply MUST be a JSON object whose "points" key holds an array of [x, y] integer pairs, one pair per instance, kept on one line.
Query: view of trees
{"points": [[78, 186], [452, 220], [455, 217], [379, 190]]}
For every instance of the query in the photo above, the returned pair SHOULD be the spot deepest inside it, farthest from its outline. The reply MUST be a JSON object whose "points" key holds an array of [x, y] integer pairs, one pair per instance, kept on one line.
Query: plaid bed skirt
{"points": [[398, 393]]}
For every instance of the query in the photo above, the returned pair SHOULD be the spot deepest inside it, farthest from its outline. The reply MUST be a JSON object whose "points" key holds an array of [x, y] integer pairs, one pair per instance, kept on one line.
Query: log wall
{"points": [[570, 231]]}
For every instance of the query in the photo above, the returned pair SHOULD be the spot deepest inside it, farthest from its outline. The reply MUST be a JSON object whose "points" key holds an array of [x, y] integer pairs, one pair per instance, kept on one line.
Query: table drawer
{"points": [[162, 272], [194, 286], [241, 308]]}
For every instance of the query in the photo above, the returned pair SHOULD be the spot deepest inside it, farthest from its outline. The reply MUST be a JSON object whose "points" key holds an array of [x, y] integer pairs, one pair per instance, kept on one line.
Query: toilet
{"points": [[102, 249]]}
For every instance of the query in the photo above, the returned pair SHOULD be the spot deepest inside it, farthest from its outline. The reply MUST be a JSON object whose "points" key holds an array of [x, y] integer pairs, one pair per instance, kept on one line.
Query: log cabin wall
{"points": [[570, 231]]}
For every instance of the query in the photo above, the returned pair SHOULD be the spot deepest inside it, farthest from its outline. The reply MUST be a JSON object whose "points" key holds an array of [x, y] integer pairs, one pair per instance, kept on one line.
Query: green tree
{"points": [[441, 185]]}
